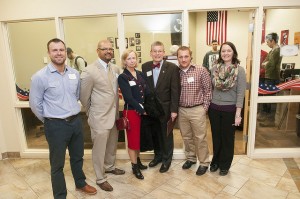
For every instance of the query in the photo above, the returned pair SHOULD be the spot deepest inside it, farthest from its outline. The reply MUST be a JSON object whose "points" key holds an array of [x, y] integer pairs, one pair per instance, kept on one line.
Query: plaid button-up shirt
{"points": [[196, 87]]}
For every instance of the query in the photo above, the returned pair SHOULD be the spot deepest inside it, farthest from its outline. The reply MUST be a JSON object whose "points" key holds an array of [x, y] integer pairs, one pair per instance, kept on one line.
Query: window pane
{"points": [[28, 43], [142, 30], [279, 62], [278, 126]]}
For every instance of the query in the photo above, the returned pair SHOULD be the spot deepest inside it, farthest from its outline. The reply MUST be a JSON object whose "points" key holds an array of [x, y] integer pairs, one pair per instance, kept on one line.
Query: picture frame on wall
{"points": [[140, 60], [138, 48], [284, 37], [126, 42], [111, 39], [131, 41], [117, 42], [139, 54], [137, 41], [137, 35]]}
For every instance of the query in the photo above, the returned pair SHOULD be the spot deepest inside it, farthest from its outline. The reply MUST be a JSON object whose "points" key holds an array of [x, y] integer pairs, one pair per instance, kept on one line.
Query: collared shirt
{"points": [[53, 94], [104, 64], [195, 87], [156, 72]]}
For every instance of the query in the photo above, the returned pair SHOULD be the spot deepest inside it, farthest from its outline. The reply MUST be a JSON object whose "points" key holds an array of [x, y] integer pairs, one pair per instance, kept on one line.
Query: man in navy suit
{"points": [[163, 80]]}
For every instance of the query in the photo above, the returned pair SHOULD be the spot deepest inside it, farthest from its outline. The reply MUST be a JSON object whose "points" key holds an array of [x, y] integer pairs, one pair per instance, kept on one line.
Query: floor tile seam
{"points": [[293, 167]]}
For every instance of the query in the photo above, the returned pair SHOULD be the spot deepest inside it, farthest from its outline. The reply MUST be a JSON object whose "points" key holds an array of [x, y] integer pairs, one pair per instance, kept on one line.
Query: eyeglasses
{"points": [[106, 49]]}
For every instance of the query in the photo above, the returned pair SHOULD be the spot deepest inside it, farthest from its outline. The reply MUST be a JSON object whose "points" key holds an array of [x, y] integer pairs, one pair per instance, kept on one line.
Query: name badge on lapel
{"points": [[149, 73], [132, 83], [72, 76]]}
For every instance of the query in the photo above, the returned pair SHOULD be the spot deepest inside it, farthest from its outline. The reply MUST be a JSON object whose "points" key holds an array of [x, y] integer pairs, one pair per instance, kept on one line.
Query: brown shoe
{"points": [[105, 186], [87, 189], [116, 171]]}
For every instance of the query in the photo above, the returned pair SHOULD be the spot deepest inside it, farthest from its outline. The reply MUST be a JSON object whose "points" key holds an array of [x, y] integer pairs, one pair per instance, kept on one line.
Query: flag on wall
{"points": [[267, 89], [216, 27]]}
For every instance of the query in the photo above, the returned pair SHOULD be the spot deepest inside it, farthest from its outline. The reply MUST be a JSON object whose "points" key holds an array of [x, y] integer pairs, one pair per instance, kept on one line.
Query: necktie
{"points": [[156, 65]]}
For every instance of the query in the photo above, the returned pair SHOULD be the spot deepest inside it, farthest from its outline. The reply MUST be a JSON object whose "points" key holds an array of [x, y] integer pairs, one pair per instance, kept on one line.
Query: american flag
{"points": [[22, 95], [271, 88], [216, 27]]}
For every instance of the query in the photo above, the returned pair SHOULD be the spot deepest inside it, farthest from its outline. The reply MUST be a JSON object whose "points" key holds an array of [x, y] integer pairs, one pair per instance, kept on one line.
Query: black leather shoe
{"points": [[154, 162], [188, 164], [213, 167], [141, 166], [223, 172], [164, 168], [201, 170]]}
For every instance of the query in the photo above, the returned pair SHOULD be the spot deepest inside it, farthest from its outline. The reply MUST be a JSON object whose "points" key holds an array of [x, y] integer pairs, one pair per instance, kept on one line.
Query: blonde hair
{"points": [[125, 55]]}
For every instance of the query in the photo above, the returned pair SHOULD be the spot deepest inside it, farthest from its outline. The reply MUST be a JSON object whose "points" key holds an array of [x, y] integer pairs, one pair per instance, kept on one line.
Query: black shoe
{"points": [[188, 164], [139, 163], [213, 167], [136, 171], [201, 170], [164, 168], [223, 172], [154, 162]]}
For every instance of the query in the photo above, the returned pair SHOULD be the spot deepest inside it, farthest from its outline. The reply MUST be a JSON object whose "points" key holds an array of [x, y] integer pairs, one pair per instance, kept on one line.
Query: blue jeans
{"points": [[61, 135]]}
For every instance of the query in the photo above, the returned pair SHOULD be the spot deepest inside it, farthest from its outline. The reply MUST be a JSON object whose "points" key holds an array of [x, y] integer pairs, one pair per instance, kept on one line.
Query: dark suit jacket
{"points": [[167, 87]]}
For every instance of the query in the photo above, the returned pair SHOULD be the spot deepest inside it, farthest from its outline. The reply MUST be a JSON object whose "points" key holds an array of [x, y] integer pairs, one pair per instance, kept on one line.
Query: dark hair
{"points": [[235, 59], [55, 40], [272, 36], [214, 41], [69, 50], [183, 48]]}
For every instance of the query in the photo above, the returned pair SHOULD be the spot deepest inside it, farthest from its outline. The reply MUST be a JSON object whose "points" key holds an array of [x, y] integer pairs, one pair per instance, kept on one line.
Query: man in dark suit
{"points": [[163, 79]]}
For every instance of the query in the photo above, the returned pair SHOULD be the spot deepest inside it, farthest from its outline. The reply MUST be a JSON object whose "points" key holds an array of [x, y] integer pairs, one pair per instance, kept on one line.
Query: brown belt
{"points": [[191, 106], [68, 119]]}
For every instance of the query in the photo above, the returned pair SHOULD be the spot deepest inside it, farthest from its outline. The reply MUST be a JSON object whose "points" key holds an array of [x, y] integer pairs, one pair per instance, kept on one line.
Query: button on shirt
{"points": [[195, 87], [53, 94]]}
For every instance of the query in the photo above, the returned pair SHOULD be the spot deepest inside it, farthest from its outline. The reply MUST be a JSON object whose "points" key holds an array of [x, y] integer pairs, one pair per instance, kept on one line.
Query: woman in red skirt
{"points": [[133, 87]]}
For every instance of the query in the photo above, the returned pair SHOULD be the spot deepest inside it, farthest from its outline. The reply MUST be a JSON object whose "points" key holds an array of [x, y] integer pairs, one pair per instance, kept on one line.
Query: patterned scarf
{"points": [[225, 76]]}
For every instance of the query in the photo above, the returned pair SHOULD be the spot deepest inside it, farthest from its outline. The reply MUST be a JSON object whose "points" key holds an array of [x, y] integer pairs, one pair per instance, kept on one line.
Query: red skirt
{"points": [[133, 133]]}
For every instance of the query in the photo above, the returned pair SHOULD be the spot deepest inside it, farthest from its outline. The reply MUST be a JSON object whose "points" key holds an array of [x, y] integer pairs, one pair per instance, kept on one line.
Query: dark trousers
{"points": [[223, 133], [166, 144], [61, 135]]}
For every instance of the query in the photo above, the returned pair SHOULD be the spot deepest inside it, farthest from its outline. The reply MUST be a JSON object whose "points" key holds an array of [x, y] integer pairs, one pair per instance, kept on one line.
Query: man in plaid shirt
{"points": [[194, 101]]}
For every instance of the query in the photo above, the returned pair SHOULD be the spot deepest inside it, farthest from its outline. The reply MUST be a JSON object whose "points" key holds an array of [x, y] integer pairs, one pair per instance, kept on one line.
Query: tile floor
{"points": [[259, 178]]}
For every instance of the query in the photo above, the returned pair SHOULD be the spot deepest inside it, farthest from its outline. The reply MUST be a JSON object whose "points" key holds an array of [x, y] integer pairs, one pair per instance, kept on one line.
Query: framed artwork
{"points": [[140, 60], [284, 37], [137, 35], [297, 38], [139, 54], [126, 42], [111, 39], [117, 42], [137, 41], [138, 48], [131, 41]]}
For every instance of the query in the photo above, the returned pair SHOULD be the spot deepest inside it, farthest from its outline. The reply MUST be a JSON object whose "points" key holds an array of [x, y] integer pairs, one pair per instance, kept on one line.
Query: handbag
{"points": [[123, 122]]}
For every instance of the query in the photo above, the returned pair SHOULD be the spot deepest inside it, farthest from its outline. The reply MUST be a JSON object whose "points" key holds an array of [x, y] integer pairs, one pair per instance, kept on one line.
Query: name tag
{"points": [[149, 73], [190, 79], [72, 76], [132, 83]]}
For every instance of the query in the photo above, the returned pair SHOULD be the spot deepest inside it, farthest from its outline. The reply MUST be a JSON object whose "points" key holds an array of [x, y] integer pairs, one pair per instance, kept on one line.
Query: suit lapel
{"points": [[150, 78]]}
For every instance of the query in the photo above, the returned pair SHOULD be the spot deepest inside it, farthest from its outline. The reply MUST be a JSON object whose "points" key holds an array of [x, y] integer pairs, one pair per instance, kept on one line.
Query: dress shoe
{"points": [[105, 186], [188, 164], [164, 168], [137, 172], [87, 189], [116, 171], [223, 172], [141, 166], [201, 170], [213, 167], [154, 162]]}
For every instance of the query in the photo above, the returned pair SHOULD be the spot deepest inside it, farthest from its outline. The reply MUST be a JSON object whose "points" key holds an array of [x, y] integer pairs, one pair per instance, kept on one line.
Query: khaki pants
{"points": [[192, 124]]}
